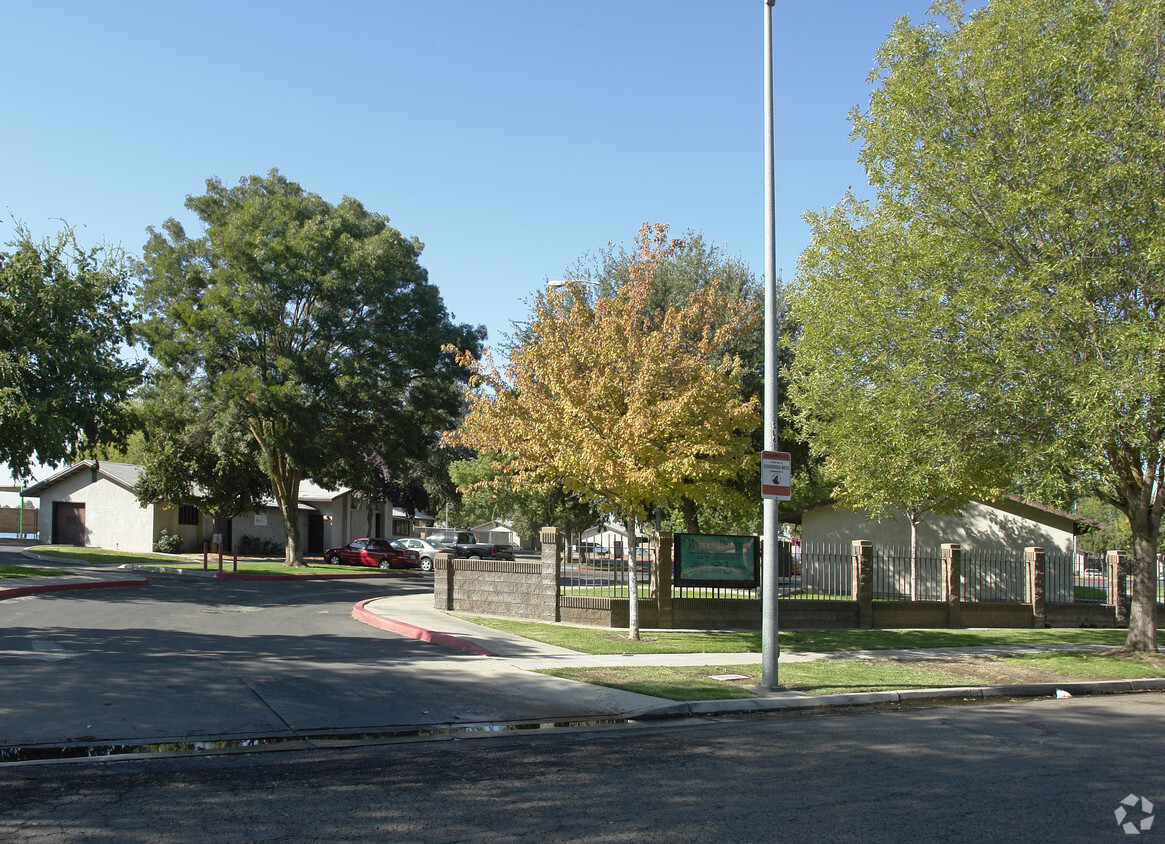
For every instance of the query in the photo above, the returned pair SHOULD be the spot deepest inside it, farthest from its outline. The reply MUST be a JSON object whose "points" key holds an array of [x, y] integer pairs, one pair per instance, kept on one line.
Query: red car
{"points": [[382, 553]]}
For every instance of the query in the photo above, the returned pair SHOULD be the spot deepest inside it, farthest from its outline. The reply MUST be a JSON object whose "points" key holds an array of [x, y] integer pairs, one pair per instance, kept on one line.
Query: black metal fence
{"points": [[825, 571], [602, 575], [821, 571], [899, 575], [994, 576]]}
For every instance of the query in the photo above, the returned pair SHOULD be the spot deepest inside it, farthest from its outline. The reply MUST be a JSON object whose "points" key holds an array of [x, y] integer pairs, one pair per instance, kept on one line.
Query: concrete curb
{"points": [[18, 591], [414, 632], [231, 575], [747, 705]]}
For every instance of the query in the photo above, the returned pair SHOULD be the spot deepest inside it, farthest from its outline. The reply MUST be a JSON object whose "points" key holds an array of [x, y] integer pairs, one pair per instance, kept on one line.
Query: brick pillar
{"points": [[1117, 568], [443, 581], [551, 538], [953, 582], [661, 576], [863, 581], [1033, 558]]}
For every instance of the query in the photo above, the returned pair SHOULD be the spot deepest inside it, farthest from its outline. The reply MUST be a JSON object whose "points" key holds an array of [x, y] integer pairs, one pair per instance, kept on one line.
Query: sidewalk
{"points": [[415, 616]]}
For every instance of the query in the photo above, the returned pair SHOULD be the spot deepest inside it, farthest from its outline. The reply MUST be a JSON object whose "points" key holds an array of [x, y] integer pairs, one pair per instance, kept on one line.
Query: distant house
{"points": [[498, 533], [610, 536], [1005, 525], [92, 503]]}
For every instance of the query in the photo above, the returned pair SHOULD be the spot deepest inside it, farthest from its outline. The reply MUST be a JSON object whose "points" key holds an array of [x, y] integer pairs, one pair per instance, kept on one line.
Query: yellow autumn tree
{"points": [[617, 402]]}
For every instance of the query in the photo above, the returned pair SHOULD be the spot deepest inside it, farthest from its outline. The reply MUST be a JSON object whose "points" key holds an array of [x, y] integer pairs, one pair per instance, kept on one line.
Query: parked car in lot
{"points": [[449, 536], [464, 545], [373, 551], [427, 549]]}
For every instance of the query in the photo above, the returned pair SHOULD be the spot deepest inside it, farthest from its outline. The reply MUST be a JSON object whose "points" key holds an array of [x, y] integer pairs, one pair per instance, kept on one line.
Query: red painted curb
{"points": [[18, 591], [414, 632], [231, 575]]}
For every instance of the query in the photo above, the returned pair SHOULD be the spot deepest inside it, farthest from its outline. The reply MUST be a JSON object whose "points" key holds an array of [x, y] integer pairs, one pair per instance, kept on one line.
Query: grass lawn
{"points": [[269, 566], [7, 571], [102, 557], [594, 640], [832, 676]]}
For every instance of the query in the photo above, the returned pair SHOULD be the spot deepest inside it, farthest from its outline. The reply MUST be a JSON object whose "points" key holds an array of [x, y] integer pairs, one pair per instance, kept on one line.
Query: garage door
{"points": [[68, 523]]}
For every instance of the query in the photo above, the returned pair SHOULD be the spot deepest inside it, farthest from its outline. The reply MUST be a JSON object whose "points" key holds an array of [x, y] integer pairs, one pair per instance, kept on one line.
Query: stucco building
{"points": [[92, 503]]}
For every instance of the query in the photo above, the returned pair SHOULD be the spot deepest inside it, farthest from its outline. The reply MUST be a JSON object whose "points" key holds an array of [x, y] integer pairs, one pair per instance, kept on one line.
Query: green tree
{"points": [[621, 406], [1000, 301], [64, 326], [197, 451], [488, 494], [314, 323], [690, 265]]}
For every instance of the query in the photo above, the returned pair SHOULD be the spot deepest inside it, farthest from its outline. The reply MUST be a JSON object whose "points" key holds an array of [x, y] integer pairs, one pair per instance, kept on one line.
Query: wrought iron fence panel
{"points": [[602, 576], [895, 578], [823, 572], [1059, 578], [994, 576], [1078, 578], [1090, 578]]}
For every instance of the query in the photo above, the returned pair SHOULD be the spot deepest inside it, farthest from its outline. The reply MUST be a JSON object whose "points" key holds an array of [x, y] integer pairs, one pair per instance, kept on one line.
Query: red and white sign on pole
{"points": [[776, 473]]}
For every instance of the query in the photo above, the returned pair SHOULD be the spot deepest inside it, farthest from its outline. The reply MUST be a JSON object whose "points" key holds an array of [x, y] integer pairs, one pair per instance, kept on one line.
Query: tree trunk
{"points": [[1146, 524], [285, 484], [691, 516], [915, 518], [632, 581]]}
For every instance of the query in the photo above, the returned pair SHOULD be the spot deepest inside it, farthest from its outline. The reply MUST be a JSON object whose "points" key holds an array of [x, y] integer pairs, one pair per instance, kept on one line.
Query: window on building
{"points": [[188, 515]]}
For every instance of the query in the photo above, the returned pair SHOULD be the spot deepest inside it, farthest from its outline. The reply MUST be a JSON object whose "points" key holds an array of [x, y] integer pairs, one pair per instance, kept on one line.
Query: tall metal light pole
{"points": [[770, 649]]}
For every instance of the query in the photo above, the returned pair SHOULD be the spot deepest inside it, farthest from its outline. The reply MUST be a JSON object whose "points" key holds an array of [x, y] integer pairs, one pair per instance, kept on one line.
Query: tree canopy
{"points": [[64, 326], [314, 323], [196, 451], [998, 304], [616, 402], [691, 263]]}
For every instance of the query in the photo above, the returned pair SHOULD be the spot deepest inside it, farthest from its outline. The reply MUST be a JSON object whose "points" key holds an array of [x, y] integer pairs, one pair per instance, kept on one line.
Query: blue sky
{"points": [[512, 137]]}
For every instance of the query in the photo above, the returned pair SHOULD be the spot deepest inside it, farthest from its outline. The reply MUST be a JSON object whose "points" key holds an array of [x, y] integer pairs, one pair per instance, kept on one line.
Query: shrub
{"points": [[254, 546], [168, 543]]}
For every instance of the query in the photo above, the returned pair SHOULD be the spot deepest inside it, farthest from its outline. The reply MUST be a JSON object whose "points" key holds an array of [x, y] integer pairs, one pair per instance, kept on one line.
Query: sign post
{"points": [[770, 649]]}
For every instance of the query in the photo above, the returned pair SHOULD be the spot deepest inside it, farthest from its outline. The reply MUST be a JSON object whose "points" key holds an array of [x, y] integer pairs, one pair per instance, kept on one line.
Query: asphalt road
{"points": [[1047, 770], [186, 657], [190, 657]]}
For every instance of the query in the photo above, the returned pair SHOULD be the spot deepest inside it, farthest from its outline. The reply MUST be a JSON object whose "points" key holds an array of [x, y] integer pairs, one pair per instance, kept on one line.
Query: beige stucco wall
{"points": [[1006, 527], [344, 521], [166, 518], [113, 517]]}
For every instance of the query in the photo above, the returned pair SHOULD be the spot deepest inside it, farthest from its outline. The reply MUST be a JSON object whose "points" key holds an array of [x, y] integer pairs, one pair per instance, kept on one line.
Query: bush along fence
{"points": [[827, 587]]}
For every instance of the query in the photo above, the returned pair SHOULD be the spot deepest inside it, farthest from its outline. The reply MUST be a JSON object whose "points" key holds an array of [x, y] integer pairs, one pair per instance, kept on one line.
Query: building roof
{"points": [[127, 474], [1080, 524], [123, 474]]}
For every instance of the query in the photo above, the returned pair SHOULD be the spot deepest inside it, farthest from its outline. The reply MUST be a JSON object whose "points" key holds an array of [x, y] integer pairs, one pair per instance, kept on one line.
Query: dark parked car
{"points": [[463, 544], [382, 553]]}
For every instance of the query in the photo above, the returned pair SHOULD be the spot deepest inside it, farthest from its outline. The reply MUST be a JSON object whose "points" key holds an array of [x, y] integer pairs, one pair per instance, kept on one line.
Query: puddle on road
{"points": [[113, 750]]}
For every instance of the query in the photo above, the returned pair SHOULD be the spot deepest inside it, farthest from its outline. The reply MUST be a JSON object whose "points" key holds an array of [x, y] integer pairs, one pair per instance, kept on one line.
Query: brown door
{"points": [[68, 523]]}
